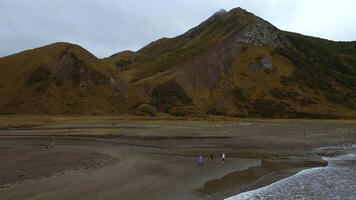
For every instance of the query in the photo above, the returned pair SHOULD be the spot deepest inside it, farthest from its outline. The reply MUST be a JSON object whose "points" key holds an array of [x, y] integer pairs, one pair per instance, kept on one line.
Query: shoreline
{"points": [[32, 121], [253, 178]]}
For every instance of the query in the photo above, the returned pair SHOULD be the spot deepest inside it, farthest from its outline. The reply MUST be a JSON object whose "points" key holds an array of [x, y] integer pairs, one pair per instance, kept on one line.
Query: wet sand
{"points": [[132, 173], [156, 160]]}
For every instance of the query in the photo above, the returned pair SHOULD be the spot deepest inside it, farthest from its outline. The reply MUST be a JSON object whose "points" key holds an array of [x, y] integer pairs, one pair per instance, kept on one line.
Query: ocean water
{"points": [[337, 181]]}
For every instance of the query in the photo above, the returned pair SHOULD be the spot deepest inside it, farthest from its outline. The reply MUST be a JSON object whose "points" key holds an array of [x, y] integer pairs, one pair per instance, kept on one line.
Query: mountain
{"points": [[233, 64], [63, 78], [238, 64]]}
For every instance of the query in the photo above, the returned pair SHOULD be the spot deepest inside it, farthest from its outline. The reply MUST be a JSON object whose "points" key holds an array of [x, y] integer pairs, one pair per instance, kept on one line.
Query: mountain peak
{"points": [[238, 10], [234, 11], [220, 12]]}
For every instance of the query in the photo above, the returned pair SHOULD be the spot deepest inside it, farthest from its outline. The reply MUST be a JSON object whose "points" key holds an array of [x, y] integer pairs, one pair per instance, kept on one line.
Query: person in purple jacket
{"points": [[200, 160]]}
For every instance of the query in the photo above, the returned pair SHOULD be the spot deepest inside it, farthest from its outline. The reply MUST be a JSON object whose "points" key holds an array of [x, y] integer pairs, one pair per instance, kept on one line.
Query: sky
{"points": [[105, 27]]}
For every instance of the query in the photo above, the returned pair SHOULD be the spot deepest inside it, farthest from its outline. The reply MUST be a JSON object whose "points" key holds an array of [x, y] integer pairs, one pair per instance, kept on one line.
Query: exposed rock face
{"points": [[69, 68], [259, 32], [64, 68], [262, 63]]}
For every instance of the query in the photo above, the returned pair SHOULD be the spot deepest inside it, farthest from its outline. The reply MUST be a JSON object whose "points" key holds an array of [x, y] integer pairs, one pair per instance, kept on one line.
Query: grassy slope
{"points": [[282, 91], [28, 85], [326, 68], [311, 77], [167, 54]]}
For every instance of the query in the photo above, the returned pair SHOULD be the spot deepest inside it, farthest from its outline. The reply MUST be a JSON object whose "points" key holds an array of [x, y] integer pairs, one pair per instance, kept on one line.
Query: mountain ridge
{"points": [[236, 64]]}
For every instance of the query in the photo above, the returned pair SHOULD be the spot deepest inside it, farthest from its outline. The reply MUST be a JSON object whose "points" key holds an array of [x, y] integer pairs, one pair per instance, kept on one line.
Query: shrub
{"points": [[269, 108], [306, 101], [336, 98], [287, 81], [240, 97], [146, 109], [123, 63], [181, 111], [216, 111], [283, 94]]}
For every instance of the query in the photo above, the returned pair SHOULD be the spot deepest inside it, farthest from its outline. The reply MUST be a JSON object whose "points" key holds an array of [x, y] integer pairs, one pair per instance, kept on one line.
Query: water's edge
{"points": [[336, 181]]}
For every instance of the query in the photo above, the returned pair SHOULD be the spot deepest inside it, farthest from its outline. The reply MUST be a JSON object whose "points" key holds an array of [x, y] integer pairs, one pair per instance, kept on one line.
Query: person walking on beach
{"points": [[211, 156], [223, 158], [200, 160]]}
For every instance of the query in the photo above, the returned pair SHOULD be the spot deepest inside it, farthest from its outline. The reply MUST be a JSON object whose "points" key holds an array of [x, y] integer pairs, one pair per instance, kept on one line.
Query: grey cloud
{"points": [[105, 27]]}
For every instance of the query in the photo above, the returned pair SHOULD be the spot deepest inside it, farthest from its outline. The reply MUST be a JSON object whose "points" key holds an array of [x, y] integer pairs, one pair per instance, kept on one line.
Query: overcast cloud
{"points": [[105, 27]]}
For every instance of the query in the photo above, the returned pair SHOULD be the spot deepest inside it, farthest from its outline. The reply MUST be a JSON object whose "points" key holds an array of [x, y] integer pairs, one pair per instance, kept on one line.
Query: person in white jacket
{"points": [[223, 156]]}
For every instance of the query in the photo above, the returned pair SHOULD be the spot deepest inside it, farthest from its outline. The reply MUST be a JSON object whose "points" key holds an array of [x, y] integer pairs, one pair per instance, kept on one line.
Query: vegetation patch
{"points": [[241, 97], [337, 98], [216, 111], [269, 108], [39, 79], [280, 93], [146, 110], [321, 64], [169, 95], [181, 111], [240, 94]]}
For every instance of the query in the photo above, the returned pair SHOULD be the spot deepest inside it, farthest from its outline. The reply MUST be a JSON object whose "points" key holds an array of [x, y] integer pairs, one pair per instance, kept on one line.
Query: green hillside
{"points": [[233, 64], [237, 64], [62, 79]]}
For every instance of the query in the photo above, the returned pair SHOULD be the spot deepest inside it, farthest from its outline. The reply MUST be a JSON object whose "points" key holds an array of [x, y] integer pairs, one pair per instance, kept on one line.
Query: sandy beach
{"points": [[157, 160]]}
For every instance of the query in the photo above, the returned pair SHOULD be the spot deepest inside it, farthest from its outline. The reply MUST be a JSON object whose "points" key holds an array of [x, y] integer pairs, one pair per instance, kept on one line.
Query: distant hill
{"points": [[63, 78], [233, 64]]}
